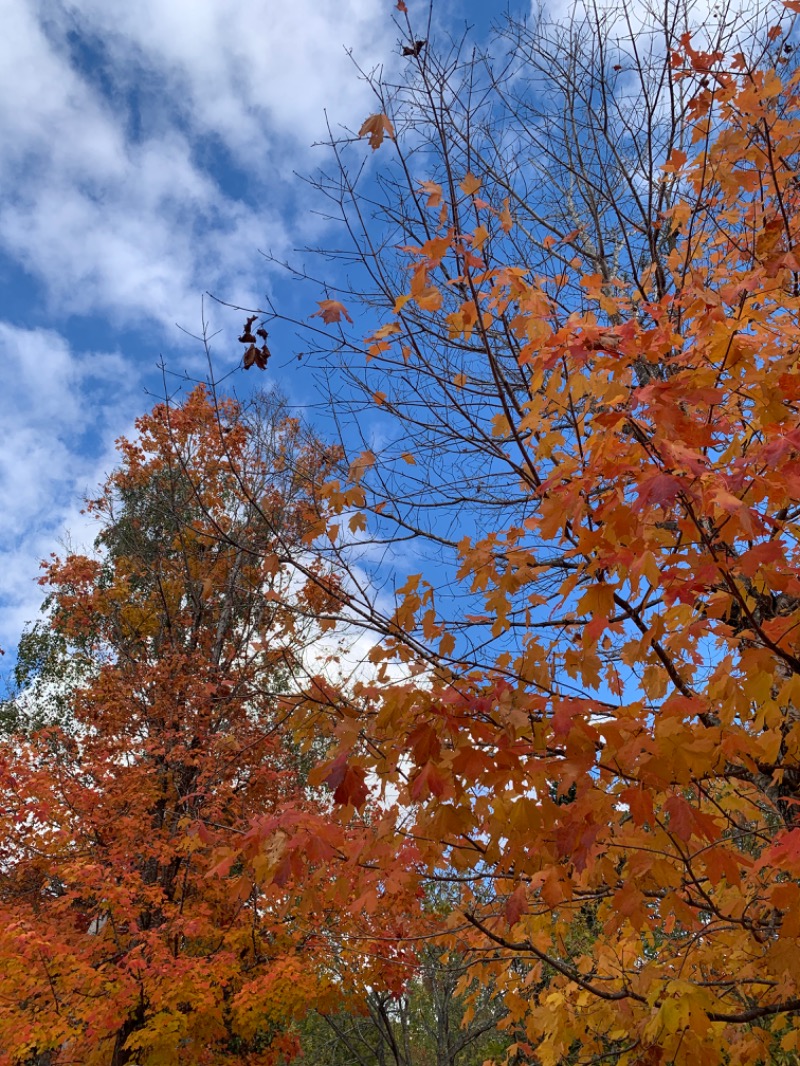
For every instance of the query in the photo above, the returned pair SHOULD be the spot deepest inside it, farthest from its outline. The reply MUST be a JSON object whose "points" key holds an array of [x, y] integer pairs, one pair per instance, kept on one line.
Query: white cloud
{"points": [[147, 154], [59, 409], [121, 127], [248, 72]]}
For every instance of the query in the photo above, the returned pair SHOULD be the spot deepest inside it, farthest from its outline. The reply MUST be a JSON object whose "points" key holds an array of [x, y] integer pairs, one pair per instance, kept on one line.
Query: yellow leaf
{"points": [[447, 644], [470, 185], [361, 464], [506, 221], [500, 426], [675, 162], [407, 457], [479, 237], [433, 192], [331, 311], [376, 127], [650, 570], [597, 600], [385, 331], [429, 299]]}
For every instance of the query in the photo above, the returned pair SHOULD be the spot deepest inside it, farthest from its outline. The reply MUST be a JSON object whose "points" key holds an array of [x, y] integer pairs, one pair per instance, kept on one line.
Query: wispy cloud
{"points": [[147, 150], [147, 154], [251, 73], [59, 411]]}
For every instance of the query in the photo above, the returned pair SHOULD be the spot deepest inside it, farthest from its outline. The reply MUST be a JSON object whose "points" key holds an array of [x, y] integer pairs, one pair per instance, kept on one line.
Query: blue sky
{"points": [[148, 155]]}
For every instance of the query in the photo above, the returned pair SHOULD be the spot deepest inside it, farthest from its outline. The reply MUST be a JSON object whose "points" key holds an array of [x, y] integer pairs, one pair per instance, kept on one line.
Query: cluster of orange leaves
{"points": [[617, 796], [164, 866], [613, 799]]}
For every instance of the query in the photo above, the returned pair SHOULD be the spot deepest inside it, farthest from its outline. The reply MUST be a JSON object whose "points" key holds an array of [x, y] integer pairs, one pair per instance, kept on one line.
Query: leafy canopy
{"points": [[603, 756]]}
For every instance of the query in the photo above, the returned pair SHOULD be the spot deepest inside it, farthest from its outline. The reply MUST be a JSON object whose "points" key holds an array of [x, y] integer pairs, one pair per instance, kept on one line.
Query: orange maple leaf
{"points": [[376, 127], [433, 191], [332, 311], [470, 185], [516, 904]]}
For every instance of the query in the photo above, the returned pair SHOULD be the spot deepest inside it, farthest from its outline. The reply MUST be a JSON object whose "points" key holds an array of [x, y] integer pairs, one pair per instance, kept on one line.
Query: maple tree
{"points": [[127, 933], [587, 704], [581, 719]]}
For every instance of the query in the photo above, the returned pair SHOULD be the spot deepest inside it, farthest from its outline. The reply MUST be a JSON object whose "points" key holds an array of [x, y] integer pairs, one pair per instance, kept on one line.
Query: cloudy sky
{"points": [[148, 154]]}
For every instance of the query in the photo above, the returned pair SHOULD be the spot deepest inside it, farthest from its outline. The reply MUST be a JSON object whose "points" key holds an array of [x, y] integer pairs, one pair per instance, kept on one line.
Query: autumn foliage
{"points": [[572, 762], [604, 755], [127, 934]]}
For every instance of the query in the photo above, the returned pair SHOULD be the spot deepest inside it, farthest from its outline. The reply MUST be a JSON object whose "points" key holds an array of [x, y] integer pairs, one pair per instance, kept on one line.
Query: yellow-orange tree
{"points": [[603, 753], [125, 933]]}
